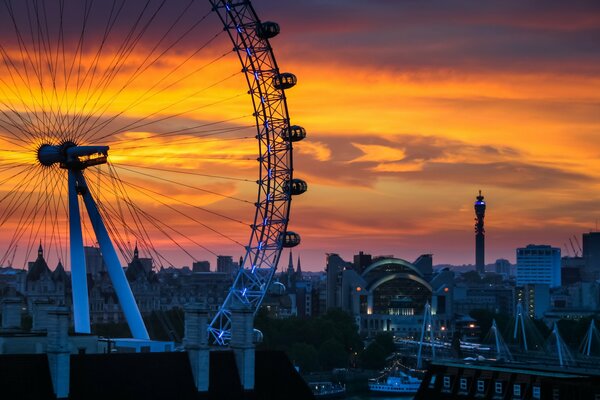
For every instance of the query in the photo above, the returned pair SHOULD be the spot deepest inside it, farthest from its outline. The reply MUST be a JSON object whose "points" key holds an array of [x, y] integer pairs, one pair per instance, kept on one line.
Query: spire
{"points": [[136, 253], [291, 263], [298, 268], [40, 251]]}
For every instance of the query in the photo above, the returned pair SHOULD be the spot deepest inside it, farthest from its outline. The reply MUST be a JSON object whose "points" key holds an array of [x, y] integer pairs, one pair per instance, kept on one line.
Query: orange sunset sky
{"points": [[410, 107]]}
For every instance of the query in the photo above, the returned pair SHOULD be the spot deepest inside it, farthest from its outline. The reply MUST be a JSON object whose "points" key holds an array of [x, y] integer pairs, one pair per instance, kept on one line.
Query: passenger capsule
{"points": [[294, 133], [267, 30], [298, 186], [285, 80], [290, 239]]}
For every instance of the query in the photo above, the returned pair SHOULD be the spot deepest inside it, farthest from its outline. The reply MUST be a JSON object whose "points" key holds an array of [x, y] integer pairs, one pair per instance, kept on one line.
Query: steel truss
{"points": [[275, 160]]}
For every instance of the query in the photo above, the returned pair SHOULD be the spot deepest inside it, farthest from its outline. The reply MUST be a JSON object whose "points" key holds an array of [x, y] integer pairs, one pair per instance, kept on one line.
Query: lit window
{"points": [[447, 382], [480, 386], [498, 387], [517, 390]]}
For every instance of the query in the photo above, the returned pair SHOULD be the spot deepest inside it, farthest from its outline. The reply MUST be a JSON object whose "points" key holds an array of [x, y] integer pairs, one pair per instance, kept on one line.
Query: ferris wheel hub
{"points": [[71, 156]]}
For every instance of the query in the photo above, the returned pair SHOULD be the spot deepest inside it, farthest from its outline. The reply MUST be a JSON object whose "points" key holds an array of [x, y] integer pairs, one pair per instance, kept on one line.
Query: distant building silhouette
{"points": [[201, 266], [591, 256], [334, 268], [225, 264], [361, 261], [502, 266], [479, 234], [94, 263]]}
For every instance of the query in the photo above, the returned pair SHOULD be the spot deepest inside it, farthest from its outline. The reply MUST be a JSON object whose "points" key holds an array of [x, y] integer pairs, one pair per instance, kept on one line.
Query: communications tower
{"points": [[479, 234]]}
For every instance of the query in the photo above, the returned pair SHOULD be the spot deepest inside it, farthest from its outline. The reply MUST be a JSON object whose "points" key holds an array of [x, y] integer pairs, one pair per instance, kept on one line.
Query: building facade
{"points": [[538, 264]]}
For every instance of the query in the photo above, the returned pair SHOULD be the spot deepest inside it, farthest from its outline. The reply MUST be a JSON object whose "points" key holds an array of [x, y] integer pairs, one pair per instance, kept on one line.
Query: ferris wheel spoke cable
{"points": [[8, 122], [140, 230], [160, 226], [144, 65], [187, 173], [189, 140], [29, 171], [78, 56], [26, 119], [158, 223], [137, 123], [146, 192], [142, 68], [56, 234], [34, 232], [140, 188], [187, 130], [22, 223], [36, 65], [194, 157], [184, 185], [123, 194], [116, 187], [115, 66]]}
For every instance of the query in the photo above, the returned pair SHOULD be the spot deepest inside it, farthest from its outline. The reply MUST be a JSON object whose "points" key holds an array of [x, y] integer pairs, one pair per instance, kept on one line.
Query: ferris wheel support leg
{"points": [[117, 276], [81, 308]]}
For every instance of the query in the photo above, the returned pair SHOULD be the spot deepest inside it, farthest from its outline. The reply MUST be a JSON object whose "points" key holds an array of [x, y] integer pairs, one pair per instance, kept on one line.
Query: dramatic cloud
{"points": [[410, 108]]}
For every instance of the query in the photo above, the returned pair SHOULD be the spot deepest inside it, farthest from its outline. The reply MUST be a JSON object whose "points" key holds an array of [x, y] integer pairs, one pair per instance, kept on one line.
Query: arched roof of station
{"points": [[397, 261], [398, 275]]}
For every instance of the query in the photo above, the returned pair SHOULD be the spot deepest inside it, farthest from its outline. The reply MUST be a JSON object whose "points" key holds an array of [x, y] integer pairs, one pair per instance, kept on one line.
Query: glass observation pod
{"points": [[298, 186], [291, 239], [285, 80], [295, 133], [267, 30]]}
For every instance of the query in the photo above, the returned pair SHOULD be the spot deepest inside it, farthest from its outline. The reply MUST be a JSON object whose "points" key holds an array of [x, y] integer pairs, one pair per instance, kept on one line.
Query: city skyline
{"points": [[410, 110]]}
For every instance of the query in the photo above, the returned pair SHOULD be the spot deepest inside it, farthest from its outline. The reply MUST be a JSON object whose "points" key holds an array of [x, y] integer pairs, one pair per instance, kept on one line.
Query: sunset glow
{"points": [[409, 112]]}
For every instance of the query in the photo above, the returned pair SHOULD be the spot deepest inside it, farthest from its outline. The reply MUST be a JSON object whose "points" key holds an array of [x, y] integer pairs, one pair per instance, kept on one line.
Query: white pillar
{"points": [[11, 313], [242, 343], [196, 344], [58, 350]]}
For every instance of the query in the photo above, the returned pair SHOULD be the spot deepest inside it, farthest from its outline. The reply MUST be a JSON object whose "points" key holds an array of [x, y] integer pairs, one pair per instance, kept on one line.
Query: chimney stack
{"points": [[242, 342], [58, 350], [11, 313], [196, 344]]}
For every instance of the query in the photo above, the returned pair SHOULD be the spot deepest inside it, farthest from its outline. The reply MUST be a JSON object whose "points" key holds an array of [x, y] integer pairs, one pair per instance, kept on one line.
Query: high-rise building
{"points": [[538, 264], [479, 234], [94, 263], [361, 261], [502, 266], [335, 266], [226, 264], [591, 256], [534, 298]]}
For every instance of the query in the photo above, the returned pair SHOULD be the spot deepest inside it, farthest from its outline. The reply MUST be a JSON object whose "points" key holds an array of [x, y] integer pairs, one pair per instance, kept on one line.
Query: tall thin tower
{"points": [[479, 234]]}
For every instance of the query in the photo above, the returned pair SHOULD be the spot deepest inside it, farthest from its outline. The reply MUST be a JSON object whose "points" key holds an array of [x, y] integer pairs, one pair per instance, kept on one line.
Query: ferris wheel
{"points": [[165, 121]]}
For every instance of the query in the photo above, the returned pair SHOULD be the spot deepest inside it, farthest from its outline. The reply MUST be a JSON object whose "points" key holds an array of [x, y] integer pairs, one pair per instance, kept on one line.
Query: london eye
{"points": [[162, 123]]}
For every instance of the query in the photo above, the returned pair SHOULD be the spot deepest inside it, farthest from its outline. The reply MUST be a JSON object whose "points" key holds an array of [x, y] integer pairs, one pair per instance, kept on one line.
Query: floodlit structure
{"points": [[479, 234], [70, 102]]}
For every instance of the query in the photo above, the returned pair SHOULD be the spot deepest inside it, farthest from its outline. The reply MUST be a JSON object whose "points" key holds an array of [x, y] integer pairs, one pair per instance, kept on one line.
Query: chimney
{"points": [[242, 342], [11, 313], [196, 344], [58, 350]]}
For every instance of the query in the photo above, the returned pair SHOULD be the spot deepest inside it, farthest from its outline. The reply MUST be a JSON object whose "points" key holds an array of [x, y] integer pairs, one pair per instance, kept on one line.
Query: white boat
{"points": [[396, 382]]}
